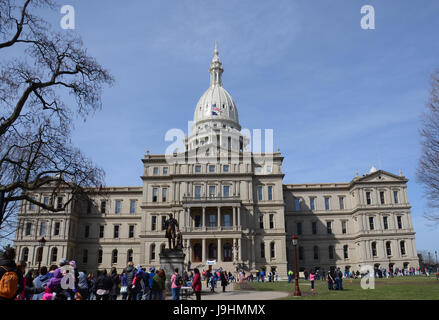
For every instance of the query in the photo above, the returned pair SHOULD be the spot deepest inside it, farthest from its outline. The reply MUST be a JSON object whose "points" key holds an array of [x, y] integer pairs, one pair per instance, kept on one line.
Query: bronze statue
{"points": [[171, 225]]}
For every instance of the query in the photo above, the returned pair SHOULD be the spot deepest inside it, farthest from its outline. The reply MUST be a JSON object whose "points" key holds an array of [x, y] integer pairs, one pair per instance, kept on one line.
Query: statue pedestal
{"points": [[169, 260]]}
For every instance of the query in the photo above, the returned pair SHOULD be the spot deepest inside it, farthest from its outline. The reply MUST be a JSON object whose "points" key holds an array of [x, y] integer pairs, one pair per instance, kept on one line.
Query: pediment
{"points": [[380, 176]]}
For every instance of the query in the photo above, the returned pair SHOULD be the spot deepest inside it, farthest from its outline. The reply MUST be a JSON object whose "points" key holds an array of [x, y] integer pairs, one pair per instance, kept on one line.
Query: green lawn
{"points": [[407, 288]]}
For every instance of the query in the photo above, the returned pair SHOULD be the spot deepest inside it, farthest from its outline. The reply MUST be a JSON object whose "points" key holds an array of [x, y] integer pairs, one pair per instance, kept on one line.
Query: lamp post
{"points": [[40, 253], [297, 293]]}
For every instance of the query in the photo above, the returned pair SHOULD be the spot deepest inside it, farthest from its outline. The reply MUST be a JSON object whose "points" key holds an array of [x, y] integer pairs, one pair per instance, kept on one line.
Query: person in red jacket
{"points": [[196, 283]]}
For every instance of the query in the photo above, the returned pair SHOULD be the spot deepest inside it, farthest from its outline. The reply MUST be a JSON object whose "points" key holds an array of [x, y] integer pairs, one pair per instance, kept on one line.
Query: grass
{"points": [[398, 288]]}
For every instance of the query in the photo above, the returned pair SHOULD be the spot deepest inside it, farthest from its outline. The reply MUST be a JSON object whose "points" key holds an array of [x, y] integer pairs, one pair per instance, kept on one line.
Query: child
{"points": [[311, 278]]}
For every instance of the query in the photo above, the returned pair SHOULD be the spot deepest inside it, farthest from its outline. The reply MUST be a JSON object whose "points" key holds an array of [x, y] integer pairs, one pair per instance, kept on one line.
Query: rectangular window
{"points": [[227, 220], [133, 206], [329, 227], [31, 205], [385, 223], [341, 202], [197, 169], [270, 193], [153, 223], [211, 191], [59, 203], [300, 253], [262, 250], [299, 228], [395, 197], [56, 230], [345, 252], [155, 171], [371, 225], [164, 194], [259, 193], [272, 251], [314, 227], [326, 203], [197, 221], [197, 192], [163, 222], [43, 228], [85, 256], [331, 252], [312, 204], [117, 209], [211, 168], [101, 232], [87, 231], [100, 256], [226, 168], [154, 194], [46, 201], [343, 227], [165, 170], [271, 221], [368, 200], [131, 232], [261, 221], [28, 228], [268, 169], [297, 204], [399, 219], [374, 249], [212, 221], [103, 206], [402, 245], [382, 197], [226, 191]]}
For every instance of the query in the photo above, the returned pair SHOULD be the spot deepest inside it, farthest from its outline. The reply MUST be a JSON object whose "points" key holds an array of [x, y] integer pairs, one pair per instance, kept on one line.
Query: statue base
{"points": [[169, 260]]}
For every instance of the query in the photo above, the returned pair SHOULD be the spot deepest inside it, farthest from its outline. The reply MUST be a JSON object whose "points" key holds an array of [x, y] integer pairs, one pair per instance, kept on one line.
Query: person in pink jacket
{"points": [[312, 278]]}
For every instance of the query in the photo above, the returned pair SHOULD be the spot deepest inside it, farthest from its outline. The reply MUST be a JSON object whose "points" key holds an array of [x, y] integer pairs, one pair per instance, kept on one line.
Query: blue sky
{"points": [[338, 97]]}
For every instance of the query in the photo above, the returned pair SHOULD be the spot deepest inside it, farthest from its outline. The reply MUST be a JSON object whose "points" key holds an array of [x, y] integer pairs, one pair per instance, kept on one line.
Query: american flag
{"points": [[216, 110]]}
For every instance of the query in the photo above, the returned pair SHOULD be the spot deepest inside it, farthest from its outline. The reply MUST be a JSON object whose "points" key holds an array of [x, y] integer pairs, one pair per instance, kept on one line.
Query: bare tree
{"points": [[428, 170], [43, 89]]}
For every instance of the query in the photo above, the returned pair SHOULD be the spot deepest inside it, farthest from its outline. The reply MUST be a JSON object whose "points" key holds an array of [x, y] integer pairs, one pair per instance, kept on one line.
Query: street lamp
{"points": [[297, 293], [40, 254]]}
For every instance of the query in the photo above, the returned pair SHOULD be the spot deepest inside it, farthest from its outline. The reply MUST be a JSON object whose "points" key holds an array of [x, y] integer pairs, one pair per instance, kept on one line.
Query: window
{"points": [[316, 253], [341, 202], [165, 170], [197, 192], [59, 203], [258, 169], [56, 229], [385, 223], [329, 227], [116, 232], [25, 254], [89, 205], [133, 206], [163, 223], [272, 251], [227, 252], [271, 218], [343, 227], [300, 253], [297, 204], [28, 228], [374, 249], [154, 194], [212, 220], [85, 256], [164, 194], [299, 228], [345, 252], [131, 232], [262, 250], [155, 171], [326, 203], [211, 168], [368, 200], [388, 248], [130, 256], [211, 191], [43, 228], [114, 256], [226, 191], [87, 231], [331, 252], [261, 221], [212, 251], [101, 232], [227, 220], [54, 254], [270, 193], [100, 253], [197, 168], [117, 209], [314, 227], [31, 205], [371, 225], [395, 197], [46, 201], [382, 197], [226, 168], [399, 220], [153, 252], [402, 245], [259, 193], [153, 223], [103, 205], [197, 221], [312, 204]]}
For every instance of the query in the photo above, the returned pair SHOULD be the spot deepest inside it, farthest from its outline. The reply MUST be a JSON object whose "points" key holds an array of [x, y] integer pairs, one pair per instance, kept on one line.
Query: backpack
{"points": [[8, 284], [179, 280]]}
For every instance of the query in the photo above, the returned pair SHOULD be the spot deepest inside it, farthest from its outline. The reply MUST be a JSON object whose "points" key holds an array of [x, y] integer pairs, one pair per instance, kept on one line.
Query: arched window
{"points": [[100, 254], [114, 256], [25, 254], [152, 256], [130, 256], [227, 252], [212, 251], [39, 253], [316, 253], [54, 254]]}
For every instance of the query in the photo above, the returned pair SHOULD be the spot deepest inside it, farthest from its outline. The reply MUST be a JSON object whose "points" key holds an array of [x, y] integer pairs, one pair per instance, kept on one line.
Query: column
{"points": [[219, 218], [239, 249], [253, 252], [203, 222], [234, 250], [189, 219], [234, 219], [219, 248], [239, 218], [203, 250]]}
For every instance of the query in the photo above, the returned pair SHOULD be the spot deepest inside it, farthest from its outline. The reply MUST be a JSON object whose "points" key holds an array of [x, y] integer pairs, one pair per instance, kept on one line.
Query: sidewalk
{"points": [[231, 294]]}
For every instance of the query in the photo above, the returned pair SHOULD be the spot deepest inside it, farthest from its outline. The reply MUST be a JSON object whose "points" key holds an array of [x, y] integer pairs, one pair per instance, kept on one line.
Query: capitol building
{"points": [[233, 209]]}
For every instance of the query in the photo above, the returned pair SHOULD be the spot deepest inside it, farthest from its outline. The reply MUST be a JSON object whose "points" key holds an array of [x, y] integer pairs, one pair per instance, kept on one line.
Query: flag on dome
{"points": [[215, 110]]}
